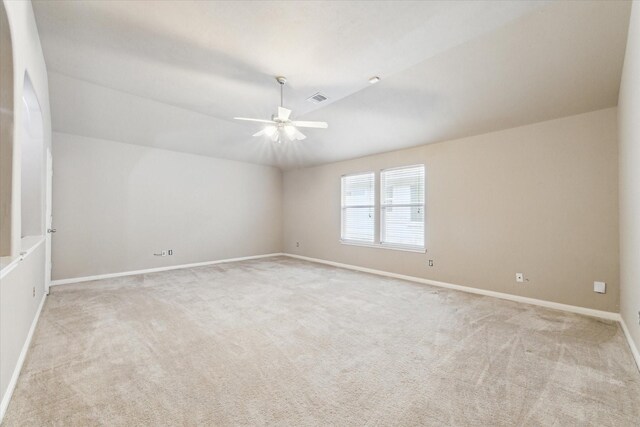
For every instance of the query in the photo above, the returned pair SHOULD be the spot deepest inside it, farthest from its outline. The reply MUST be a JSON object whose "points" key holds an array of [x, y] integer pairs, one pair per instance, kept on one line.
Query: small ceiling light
{"points": [[374, 79]]}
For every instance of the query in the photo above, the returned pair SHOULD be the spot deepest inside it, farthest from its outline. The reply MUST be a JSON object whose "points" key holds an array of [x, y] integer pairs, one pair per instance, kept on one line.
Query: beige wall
{"points": [[539, 199], [115, 205], [629, 119]]}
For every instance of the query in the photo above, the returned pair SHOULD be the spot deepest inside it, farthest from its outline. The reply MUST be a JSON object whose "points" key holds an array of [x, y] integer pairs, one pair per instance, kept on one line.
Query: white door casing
{"points": [[49, 221]]}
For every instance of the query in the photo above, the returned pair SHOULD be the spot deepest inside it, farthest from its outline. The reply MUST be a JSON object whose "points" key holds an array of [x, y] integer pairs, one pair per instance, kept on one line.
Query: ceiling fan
{"points": [[280, 124]]}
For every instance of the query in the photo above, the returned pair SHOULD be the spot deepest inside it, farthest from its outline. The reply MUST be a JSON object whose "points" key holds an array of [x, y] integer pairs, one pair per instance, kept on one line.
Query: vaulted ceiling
{"points": [[173, 74]]}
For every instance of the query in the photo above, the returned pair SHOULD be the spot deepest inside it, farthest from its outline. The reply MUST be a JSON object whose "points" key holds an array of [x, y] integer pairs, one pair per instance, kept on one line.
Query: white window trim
{"points": [[403, 248], [378, 206]]}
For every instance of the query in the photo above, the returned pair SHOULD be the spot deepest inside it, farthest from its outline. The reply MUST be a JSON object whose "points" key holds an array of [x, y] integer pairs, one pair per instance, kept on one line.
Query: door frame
{"points": [[48, 221]]}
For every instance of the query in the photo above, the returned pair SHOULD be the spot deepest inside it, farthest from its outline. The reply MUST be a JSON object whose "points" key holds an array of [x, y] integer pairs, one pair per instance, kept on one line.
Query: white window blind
{"points": [[402, 207], [358, 207]]}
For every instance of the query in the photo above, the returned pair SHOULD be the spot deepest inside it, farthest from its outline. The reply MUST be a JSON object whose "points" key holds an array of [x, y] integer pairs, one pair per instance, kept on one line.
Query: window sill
{"points": [[384, 246]]}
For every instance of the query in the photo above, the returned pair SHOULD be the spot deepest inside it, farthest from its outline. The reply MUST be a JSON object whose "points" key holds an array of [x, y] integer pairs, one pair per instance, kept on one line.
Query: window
{"points": [[402, 207], [401, 200], [358, 208]]}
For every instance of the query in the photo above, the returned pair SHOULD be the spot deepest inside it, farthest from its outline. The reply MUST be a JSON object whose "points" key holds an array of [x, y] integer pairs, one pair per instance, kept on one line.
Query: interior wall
{"points": [[32, 164], [116, 204], [6, 132], [18, 309], [22, 288], [28, 60], [539, 199], [629, 121]]}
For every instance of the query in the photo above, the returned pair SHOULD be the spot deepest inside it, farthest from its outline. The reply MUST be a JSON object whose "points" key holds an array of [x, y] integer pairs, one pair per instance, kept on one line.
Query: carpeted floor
{"points": [[286, 342]]}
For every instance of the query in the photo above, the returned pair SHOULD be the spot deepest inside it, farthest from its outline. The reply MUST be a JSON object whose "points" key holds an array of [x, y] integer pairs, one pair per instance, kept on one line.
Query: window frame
{"points": [[343, 207], [378, 212]]}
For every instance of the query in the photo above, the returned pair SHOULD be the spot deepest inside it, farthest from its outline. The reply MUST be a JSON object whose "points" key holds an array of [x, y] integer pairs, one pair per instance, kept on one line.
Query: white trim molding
{"points": [[632, 345], [23, 354], [383, 246], [543, 303], [157, 269], [32, 245]]}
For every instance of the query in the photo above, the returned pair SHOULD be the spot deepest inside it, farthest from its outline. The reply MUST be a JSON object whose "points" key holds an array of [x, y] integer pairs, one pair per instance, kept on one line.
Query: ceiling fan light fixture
{"points": [[290, 131], [270, 130]]}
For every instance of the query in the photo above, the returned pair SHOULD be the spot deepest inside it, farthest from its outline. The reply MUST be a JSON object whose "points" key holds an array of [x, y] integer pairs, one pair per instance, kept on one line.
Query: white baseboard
{"points": [[632, 345], [157, 269], [549, 304], [4, 404]]}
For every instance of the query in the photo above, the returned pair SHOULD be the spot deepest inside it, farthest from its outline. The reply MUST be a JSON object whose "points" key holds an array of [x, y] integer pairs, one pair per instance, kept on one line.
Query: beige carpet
{"points": [[285, 342]]}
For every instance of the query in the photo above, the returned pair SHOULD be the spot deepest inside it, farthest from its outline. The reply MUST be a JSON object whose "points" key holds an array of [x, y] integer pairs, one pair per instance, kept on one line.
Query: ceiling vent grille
{"points": [[317, 98]]}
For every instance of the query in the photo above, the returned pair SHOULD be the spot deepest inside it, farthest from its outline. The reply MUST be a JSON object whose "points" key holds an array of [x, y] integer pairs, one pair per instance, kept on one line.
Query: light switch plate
{"points": [[599, 287]]}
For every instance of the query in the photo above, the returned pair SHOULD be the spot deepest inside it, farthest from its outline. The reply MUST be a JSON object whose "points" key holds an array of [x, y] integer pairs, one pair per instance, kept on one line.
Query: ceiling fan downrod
{"points": [[282, 81]]}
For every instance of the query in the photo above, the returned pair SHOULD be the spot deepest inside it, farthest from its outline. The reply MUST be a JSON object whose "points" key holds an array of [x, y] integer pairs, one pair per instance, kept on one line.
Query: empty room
{"points": [[319, 213]]}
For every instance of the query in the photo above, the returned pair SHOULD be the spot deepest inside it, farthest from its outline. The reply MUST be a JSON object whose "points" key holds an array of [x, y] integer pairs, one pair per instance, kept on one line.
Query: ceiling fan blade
{"points": [[303, 124], [266, 131], [299, 135], [283, 114], [254, 120], [290, 132], [293, 134], [269, 131]]}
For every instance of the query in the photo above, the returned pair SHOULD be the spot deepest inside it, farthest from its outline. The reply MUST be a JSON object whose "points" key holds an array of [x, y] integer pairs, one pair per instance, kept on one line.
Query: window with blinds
{"points": [[358, 208], [402, 207]]}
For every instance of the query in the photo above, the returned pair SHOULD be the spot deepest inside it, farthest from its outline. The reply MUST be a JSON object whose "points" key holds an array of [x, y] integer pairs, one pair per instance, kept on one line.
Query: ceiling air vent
{"points": [[317, 98]]}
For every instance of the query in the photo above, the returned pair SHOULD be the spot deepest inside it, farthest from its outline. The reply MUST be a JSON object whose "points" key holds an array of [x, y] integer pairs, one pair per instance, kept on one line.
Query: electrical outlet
{"points": [[34, 291], [164, 253], [520, 277], [297, 244], [430, 263], [599, 287], [170, 251]]}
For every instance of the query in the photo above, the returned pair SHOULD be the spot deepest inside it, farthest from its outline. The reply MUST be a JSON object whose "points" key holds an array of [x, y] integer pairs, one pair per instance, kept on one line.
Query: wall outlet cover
{"points": [[599, 287]]}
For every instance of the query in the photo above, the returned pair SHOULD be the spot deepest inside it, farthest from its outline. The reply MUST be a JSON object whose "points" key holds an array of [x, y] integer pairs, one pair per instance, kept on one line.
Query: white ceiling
{"points": [[172, 74]]}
